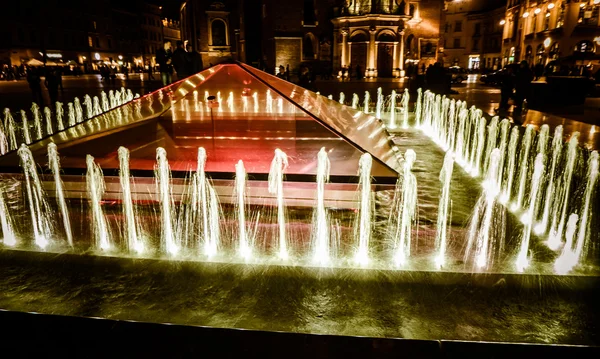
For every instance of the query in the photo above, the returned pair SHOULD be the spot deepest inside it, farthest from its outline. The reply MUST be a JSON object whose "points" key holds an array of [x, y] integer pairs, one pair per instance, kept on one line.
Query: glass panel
{"points": [[247, 120]]}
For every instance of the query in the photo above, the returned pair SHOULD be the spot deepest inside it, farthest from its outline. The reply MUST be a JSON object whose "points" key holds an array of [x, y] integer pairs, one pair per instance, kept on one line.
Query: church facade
{"points": [[383, 37]]}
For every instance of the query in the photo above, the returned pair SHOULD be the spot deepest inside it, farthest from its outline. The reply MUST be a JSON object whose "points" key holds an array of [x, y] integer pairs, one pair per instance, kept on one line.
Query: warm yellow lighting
{"points": [[502, 22], [537, 11], [582, 5], [596, 2], [120, 57], [525, 14], [547, 42], [550, 6], [597, 38], [547, 14]]}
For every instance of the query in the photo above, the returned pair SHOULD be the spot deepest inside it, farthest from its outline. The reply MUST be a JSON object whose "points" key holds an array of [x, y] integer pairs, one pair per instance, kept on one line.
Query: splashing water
{"points": [[132, 231], [567, 259], [89, 107], [444, 210], [10, 127], [478, 145], [365, 209], [549, 199], [95, 188], [512, 154], [592, 177], [558, 222], [71, 114], [78, 110], [255, 98], [37, 120], [54, 164], [538, 172], [355, 100], [504, 127], [321, 234], [105, 103], [163, 181], [38, 207], [48, 118], [278, 166], [405, 102], [342, 98], [245, 248], [205, 204], [542, 142], [97, 108], [479, 231], [393, 110], [60, 113], [492, 135], [26, 133], [367, 101], [9, 237], [523, 167], [406, 208], [379, 103], [419, 108]]}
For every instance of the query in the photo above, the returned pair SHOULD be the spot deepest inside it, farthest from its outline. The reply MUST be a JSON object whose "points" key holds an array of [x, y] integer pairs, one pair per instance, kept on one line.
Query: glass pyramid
{"points": [[251, 115]]}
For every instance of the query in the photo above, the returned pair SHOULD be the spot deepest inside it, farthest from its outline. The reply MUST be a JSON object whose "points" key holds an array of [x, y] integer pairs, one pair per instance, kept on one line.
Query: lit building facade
{"points": [[551, 32], [472, 34], [384, 36], [214, 28]]}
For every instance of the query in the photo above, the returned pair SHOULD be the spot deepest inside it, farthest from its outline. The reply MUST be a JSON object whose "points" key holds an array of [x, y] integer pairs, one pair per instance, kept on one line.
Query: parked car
{"points": [[458, 74], [493, 78]]}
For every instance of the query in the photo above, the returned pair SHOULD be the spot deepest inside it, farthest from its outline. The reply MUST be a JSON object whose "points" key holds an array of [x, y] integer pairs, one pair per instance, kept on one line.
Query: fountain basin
{"points": [[350, 302]]}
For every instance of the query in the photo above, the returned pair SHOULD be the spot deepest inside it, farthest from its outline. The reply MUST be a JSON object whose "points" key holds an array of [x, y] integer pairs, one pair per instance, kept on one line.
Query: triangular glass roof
{"points": [[253, 114]]}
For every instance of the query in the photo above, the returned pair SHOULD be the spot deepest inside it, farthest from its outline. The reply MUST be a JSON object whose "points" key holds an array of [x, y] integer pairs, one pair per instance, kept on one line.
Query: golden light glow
{"points": [[547, 42], [502, 22], [550, 6], [525, 14], [537, 11]]}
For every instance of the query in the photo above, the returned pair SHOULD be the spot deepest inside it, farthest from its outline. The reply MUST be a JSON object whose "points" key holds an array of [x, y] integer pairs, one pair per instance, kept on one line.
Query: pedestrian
{"points": [[179, 60], [163, 58], [33, 78], [52, 84], [523, 80], [281, 72], [506, 88], [194, 60], [287, 72]]}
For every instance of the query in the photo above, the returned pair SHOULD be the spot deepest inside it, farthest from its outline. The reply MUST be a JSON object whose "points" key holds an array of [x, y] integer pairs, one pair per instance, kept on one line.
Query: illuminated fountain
{"points": [[54, 163], [321, 225], [367, 100], [557, 145], [132, 231], [405, 102], [441, 238], [392, 124], [278, 166], [379, 104], [404, 211], [363, 229], [355, 100]]}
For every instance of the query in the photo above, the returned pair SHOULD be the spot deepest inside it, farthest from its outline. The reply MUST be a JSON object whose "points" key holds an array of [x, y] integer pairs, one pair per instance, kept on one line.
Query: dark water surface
{"points": [[417, 305]]}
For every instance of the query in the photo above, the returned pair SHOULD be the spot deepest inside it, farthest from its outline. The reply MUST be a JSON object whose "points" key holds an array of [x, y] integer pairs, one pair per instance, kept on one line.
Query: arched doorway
{"points": [[385, 54], [358, 51], [540, 54], [529, 54]]}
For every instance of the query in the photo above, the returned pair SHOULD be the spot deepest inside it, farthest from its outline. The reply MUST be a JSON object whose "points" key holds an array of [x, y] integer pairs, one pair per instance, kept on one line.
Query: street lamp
{"points": [[525, 15], [537, 11], [502, 22], [551, 6]]}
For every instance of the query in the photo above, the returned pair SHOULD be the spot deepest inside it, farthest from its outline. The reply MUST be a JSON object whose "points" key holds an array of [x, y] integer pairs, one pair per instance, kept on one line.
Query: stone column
{"points": [[372, 53], [401, 67], [395, 60], [344, 58]]}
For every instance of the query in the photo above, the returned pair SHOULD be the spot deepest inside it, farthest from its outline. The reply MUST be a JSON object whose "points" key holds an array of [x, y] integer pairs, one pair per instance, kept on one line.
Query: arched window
{"points": [[219, 32], [540, 54], [554, 51], [585, 46], [528, 54], [359, 36], [309, 46], [386, 37]]}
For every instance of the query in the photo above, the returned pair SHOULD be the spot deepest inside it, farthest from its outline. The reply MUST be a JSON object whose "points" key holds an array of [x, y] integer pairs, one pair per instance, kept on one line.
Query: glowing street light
{"points": [[551, 6], [537, 11], [502, 22], [525, 15]]}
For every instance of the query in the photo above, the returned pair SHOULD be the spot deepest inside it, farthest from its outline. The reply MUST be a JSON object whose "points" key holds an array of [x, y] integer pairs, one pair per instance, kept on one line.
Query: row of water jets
{"points": [[35, 126], [532, 175], [200, 214]]}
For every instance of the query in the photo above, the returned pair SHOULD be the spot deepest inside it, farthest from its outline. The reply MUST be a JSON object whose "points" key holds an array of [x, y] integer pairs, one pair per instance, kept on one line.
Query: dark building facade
{"points": [[214, 28], [82, 34]]}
